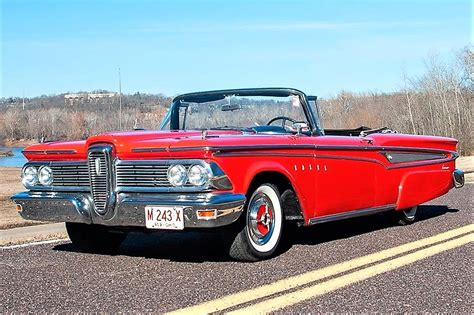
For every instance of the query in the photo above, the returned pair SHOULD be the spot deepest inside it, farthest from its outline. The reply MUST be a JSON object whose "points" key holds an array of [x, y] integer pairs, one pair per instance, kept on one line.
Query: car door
{"points": [[345, 174]]}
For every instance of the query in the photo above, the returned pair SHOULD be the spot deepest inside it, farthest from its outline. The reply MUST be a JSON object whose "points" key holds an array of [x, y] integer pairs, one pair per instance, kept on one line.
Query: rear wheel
{"points": [[94, 238], [406, 216], [259, 237]]}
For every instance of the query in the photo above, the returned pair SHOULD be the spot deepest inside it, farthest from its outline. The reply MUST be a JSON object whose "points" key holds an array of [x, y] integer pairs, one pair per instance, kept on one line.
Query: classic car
{"points": [[244, 162]]}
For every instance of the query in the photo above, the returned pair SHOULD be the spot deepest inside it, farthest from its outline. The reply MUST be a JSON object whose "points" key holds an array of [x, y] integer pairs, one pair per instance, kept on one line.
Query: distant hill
{"points": [[63, 100]]}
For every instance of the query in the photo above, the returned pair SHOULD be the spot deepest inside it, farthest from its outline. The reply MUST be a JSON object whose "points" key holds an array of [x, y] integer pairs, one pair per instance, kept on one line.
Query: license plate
{"points": [[166, 218]]}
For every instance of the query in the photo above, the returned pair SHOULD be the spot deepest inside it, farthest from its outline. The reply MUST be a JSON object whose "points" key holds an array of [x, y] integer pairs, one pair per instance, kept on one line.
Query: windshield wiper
{"points": [[243, 129]]}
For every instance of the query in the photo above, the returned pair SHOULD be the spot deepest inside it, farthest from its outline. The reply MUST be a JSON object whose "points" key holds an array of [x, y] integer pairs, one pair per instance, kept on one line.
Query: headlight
{"points": [[29, 176], [198, 175], [45, 175], [177, 175]]}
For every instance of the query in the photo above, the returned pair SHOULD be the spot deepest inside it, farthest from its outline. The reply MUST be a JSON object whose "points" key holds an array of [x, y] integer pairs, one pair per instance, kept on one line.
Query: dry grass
{"points": [[466, 163], [10, 183]]}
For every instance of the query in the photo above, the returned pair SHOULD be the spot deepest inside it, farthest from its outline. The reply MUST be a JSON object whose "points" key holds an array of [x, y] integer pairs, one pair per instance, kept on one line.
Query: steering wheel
{"points": [[283, 120]]}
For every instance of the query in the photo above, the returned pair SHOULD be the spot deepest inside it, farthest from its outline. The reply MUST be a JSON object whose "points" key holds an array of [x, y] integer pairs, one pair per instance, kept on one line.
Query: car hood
{"points": [[133, 144]]}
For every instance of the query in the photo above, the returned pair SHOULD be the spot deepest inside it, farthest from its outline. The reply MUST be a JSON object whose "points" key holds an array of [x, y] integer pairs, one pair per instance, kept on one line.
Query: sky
{"points": [[172, 47]]}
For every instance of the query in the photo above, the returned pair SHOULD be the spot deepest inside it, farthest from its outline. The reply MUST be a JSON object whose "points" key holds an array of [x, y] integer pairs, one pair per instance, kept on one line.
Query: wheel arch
{"points": [[290, 201]]}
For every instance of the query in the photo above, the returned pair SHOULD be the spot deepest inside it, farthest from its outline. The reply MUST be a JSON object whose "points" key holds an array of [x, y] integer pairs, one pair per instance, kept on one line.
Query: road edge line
{"points": [[34, 243]]}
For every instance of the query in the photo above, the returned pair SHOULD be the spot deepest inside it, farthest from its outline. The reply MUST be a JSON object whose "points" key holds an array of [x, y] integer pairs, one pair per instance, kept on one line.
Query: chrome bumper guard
{"points": [[458, 178], [129, 209]]}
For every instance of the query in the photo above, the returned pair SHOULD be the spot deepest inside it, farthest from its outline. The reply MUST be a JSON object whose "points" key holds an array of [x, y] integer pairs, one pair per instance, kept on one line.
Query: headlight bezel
{"points": [[29, 183], [204, 176], [54, 186], [213, 176], [38, 183], [182, 169], [50, 180]]}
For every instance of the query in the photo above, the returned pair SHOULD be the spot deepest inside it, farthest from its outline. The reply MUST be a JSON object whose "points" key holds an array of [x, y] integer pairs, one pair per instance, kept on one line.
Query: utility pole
{"points": [[120, 100]]}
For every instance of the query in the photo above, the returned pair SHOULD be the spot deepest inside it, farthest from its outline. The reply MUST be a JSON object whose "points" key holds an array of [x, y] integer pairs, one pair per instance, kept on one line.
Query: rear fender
{"points": [[418, 187]]}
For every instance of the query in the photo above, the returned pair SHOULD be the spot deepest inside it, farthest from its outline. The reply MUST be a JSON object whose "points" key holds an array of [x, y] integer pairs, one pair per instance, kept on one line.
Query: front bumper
{"points": [[129, 209]]}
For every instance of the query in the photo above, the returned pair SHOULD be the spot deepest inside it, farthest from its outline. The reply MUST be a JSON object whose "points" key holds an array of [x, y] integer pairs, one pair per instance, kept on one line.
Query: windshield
{"points": [[258, 113]]}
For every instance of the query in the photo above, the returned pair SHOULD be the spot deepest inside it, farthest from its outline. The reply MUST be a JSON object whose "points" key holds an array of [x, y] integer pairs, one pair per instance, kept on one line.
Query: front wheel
{"points": [[260, 236], [94, 238]]}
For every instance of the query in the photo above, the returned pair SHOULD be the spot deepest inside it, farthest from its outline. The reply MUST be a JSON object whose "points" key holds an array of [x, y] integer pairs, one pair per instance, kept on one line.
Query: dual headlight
{"points": [[33, 175], [196, 175]]}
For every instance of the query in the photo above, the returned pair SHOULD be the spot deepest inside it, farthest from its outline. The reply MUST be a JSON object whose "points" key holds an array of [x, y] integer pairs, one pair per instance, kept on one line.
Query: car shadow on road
{"points": [[191, 247], [323, 233], [202, 246]]}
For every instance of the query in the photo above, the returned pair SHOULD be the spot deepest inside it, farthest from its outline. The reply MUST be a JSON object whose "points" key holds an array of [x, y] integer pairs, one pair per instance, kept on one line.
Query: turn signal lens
{"points": [[207, 214], [29, 176], [177, 175]]}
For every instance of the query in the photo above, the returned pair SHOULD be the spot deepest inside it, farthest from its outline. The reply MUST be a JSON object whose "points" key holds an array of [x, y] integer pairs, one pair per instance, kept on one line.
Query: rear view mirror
{"points": [[301, 127]]}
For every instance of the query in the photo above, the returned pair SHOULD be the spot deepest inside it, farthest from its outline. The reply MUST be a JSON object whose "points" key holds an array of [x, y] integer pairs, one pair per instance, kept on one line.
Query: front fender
{"points": [[242, 172]]}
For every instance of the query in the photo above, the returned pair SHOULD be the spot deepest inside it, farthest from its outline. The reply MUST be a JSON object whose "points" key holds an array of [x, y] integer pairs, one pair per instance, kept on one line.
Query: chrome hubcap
{"points": [[260, 219]]}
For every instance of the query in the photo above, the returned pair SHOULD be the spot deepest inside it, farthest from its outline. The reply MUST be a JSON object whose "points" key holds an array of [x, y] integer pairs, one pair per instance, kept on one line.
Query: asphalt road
{"points": [[159, 273]]}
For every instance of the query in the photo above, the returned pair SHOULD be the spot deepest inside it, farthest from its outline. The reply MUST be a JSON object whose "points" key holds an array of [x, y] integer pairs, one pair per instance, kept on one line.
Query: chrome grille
{"points": [[100, 177], [71, 175], [143, 175]]}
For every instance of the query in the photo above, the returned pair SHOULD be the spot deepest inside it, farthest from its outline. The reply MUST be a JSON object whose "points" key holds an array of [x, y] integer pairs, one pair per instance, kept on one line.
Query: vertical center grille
{"points": [[99, 164]]}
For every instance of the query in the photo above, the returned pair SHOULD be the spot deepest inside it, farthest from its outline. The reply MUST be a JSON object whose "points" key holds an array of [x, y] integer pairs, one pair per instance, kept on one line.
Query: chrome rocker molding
{"points": [[351, 214], [458, 178], [129, 208]]}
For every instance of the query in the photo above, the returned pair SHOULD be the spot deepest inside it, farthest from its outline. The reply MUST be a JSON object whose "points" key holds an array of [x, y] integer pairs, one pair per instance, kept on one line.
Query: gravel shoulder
{"points": [[29, 234]]}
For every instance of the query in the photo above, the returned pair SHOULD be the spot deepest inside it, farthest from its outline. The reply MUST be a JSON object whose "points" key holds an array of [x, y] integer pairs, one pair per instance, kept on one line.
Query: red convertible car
{"points": [[245, 162]]}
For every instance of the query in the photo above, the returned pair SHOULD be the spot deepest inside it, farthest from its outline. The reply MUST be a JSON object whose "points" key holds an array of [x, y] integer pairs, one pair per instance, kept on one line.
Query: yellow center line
{"points": [[351, 278], [314, 275]]}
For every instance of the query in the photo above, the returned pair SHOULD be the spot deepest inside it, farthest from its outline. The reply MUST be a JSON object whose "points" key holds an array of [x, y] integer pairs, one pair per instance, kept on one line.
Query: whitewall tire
{"points": [[261, 234]]}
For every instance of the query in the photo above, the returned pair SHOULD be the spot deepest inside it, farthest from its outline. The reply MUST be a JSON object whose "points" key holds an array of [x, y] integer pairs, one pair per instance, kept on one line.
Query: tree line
{"points": [[438, 102], [51, 118]]}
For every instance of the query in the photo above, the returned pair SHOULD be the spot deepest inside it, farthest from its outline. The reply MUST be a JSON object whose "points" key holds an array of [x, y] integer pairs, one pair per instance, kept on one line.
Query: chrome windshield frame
{"points": [[172, 116]]}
